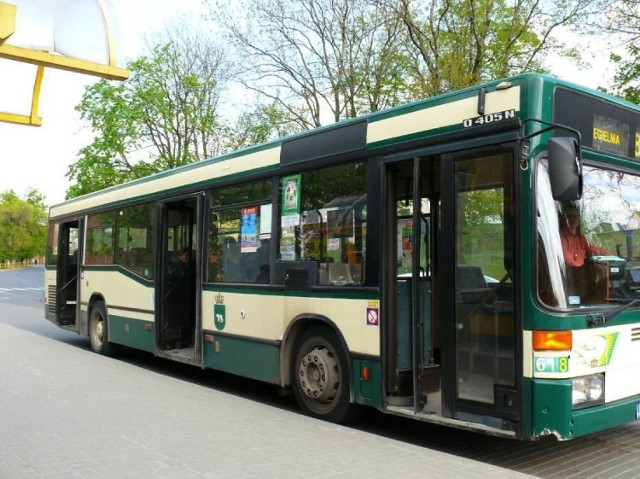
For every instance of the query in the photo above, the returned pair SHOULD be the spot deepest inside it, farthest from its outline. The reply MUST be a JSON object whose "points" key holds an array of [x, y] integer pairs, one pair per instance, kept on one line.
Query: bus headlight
{"points": [[588, 391]]}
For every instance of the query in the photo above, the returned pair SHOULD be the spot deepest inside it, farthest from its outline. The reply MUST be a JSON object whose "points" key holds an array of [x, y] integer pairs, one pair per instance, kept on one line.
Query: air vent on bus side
{"points": [[52, 299], [635, 334]]}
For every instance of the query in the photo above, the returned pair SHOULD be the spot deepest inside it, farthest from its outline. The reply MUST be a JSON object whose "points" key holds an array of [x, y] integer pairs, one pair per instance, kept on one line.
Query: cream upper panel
{"points": [[118, 290], [190, 175], [440, 116]]}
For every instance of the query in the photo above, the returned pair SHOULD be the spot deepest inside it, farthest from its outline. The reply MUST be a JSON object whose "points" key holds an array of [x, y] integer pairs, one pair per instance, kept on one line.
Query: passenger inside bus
{"points": [[575, 247], [587, 281]]}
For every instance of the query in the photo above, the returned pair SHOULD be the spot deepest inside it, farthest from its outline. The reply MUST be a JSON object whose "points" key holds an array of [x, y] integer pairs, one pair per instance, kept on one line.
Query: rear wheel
{"points": [[99, 330], [320, 375]]}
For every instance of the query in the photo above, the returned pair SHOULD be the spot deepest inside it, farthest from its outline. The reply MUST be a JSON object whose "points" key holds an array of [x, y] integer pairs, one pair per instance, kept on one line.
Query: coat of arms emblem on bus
{"points": [[219, 312]]}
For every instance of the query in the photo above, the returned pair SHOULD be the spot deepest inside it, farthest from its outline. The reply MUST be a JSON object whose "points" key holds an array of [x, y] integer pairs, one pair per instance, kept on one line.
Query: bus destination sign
{"points": [[610, 135], [603, 126]]}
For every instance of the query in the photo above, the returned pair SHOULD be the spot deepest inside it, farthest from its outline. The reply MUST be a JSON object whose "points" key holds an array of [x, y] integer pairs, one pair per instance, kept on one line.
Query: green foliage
{"points": [[459, 44], [624, 25], [266, 123], [483, 207], [163, 117], [627, 79], [23, 225]]}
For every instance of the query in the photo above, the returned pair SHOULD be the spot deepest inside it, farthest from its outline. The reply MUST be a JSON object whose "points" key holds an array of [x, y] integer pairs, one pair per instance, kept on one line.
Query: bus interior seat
{"points": [[471, 286], [469, 277], [323, 274], [339, 273]]}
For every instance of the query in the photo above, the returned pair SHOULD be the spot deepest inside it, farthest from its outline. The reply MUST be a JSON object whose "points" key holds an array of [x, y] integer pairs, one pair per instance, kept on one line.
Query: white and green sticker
{"points": [[597, 350]]}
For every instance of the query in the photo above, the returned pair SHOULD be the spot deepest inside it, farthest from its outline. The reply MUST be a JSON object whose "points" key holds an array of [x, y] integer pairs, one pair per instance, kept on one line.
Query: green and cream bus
{"points": [[417, 260]]}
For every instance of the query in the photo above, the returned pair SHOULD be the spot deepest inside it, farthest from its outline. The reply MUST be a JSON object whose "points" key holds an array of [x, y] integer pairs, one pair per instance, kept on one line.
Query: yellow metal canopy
{"points": [[42, 59]]}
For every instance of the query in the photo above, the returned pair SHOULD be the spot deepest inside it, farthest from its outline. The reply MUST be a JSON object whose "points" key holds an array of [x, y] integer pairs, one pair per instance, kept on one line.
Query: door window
{"points": [[483, 271]]}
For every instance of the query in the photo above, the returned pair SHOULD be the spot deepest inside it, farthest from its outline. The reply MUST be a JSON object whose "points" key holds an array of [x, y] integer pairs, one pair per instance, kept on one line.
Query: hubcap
{"points": [[98, 331], [319, 374]]}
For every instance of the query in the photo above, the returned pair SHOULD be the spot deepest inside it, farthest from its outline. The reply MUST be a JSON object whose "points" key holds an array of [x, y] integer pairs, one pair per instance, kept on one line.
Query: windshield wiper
{"points": [[600, 319]]}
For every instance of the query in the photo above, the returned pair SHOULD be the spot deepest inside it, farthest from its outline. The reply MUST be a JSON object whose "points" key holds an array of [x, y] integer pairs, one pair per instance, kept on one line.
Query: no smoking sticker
{"points": [[373, 313]]}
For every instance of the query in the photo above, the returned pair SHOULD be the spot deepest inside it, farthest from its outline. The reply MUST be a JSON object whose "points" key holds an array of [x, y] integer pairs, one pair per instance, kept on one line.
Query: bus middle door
{"points": [[411, 363]]}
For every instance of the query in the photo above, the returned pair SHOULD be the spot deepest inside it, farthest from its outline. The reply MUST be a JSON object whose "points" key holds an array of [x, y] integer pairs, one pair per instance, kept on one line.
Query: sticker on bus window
{"points": [[551, 364], [373, 313]]}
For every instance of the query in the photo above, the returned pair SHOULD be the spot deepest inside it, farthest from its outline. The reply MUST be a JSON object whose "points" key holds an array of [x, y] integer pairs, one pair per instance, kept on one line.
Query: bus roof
{"points": [[413, 121]]}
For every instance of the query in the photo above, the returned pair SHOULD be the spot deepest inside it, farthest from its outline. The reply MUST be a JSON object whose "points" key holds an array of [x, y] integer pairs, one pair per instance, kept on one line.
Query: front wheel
{"points": [[99, 330], [320, 375]]}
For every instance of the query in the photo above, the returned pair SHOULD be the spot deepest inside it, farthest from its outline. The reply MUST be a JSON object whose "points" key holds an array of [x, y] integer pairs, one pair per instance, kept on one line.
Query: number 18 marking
{"points": [[552, 365]]}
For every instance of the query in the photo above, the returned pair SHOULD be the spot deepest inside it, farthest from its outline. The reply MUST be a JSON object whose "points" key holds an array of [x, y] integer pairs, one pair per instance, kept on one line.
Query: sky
{"points": [[39, 157]]}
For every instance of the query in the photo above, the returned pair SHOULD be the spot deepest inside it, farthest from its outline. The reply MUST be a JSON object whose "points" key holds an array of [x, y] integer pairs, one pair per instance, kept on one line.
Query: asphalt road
{"points": [[66, 412]]}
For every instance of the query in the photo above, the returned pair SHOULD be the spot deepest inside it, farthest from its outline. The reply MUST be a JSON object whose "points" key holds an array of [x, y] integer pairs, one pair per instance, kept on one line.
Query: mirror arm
{"points": [[549, 127]]}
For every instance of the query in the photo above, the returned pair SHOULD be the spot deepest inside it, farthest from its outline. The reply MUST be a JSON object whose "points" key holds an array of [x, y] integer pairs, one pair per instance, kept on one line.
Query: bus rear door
{"points": [[68, 272]]}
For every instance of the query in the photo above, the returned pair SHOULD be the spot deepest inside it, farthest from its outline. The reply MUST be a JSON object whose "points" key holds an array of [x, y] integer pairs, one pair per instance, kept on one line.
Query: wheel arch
{"points": [[299, 324]]}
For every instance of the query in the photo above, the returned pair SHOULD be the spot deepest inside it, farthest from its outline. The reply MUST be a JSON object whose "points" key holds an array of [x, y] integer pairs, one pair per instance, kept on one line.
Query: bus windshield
{"points": [[588, 251]]}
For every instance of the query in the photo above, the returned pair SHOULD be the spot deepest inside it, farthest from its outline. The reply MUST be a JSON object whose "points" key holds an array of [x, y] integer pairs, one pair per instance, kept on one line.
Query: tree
{"points": [[456, 44], [625, 24], [163, 117], [626, 82], [318, 58], [265, 123], [326, 60], [23, 225]]}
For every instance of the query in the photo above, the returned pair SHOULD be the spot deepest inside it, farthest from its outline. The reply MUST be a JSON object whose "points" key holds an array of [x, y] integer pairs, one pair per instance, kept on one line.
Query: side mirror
{"points": [[565, 168]]}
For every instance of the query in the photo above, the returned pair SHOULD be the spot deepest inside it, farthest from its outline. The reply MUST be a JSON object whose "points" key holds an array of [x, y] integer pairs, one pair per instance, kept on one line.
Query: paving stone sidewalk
{"points": [[66, 412]]}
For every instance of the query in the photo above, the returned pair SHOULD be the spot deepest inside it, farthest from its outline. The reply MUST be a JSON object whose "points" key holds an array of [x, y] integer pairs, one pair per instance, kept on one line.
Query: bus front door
{"points": [[450, 337], [412, 359], [476, 290]]}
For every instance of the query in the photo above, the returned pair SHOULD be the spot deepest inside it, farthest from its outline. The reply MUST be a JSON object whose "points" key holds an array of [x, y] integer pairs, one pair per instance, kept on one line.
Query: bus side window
{"points": [[239, 228], [324, 220]]}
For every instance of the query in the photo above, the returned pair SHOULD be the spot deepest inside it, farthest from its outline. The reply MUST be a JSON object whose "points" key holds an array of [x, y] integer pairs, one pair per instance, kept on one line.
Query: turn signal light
{"points": [[552, 340], [365, 373]]}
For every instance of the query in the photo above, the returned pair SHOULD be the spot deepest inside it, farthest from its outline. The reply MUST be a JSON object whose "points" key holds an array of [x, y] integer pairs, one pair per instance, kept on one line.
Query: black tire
{"points": [[99, 330], [320, 376]]}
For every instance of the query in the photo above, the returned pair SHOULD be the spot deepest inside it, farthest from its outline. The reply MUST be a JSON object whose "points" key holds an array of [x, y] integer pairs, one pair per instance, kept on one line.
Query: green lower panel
{"points": [[243, 357], [132, 332], [367, 392], [552, 411]]}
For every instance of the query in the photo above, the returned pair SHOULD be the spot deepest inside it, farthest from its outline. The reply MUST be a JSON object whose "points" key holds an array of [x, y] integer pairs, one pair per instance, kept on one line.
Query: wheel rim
{"points": [[97, 330], [319, 375]]}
